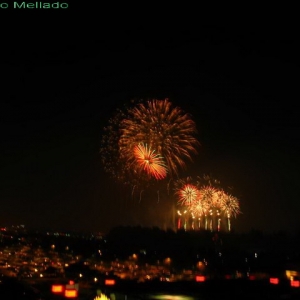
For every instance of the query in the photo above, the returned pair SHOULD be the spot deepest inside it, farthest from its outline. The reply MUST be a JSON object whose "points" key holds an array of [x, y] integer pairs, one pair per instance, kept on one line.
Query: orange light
{"points": [[295, 283], [71, 293], [71, 282], [57, 288], [274, 280], [200, 278], [110, 282]]}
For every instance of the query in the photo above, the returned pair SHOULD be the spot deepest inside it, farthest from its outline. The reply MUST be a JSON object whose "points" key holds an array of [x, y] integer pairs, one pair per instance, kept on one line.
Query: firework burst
{"points": [[150, 162], [208, 195], [230, 205], [186, 191], [149, 129], [187, 194], [164, 128], [199, 208]]}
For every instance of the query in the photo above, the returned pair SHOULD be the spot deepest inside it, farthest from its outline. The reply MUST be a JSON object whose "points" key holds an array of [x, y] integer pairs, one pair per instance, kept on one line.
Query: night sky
{"points": [[58, 91]]}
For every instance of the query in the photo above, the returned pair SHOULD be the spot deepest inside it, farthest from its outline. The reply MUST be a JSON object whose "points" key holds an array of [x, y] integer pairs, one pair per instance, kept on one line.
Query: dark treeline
{"points": [[186, 248]]}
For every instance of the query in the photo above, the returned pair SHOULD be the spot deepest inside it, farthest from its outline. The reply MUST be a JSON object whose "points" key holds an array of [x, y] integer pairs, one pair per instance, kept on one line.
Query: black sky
{"points": [[58, 90]]}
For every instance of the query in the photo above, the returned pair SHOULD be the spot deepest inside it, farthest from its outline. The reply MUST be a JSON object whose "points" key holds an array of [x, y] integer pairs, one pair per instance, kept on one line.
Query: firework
{"points": [[109, 151], [164, 128], [208, 198], [186, 191], [209, 195], [199, 208], [187, 194], [230, 207], [207, 201], [150, 162], [151, 129]]}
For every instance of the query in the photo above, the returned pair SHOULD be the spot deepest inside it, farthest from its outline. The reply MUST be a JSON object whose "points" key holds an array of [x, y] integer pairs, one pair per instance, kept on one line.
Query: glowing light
{"points": [[295, 283], [71, 293], [274, 280], [110, 282], [57, 288], [200, 278]]}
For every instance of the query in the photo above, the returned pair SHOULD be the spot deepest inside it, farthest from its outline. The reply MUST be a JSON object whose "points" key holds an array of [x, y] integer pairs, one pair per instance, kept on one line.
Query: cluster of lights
{"points": [[69, 290]]}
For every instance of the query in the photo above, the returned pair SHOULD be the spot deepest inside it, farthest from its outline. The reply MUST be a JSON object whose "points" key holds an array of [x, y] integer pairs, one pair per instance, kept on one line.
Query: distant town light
{"points": [[274, 280], [200, 278], [57, 288], [110, 282], [295, 283], [71, 293]]}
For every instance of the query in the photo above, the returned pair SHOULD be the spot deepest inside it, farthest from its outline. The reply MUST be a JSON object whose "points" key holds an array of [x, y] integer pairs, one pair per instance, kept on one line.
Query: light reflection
{"points": [[171, 297]]}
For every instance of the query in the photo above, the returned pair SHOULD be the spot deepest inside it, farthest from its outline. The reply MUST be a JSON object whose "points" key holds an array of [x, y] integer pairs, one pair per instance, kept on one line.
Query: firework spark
{"points": [[208, 195], [187, 194], [199, 207], [230, 206], [150, 162]]}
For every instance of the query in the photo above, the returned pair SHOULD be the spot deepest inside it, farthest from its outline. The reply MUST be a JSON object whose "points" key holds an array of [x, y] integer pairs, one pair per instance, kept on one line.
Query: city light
{"points": [[73, 293], [57, 288]]}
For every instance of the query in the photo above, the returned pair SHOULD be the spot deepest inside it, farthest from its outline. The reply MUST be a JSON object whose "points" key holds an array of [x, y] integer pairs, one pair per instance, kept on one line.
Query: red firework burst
{"points": [[149, 161]]}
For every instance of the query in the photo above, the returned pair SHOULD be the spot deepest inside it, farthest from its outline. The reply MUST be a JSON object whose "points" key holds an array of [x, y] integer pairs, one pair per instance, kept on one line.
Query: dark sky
{"points": [[58, 90]]}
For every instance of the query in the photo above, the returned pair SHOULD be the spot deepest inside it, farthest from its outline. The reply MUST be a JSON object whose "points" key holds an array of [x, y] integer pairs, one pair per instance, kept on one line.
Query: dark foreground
{"points": [[11, 288]]}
